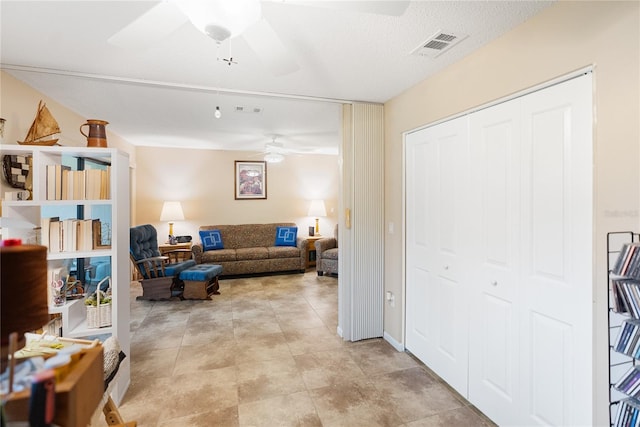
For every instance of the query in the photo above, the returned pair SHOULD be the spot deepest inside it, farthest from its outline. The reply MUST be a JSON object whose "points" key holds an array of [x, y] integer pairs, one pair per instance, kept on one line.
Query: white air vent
{"points": [[438, 43], [248, 110]]}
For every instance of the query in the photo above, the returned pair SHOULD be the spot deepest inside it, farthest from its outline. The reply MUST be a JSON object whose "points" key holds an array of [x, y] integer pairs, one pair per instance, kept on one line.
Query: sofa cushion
{"points": [[330, 254], [220, 255], [251, 253], [286, 236], [283, 252], [211, 240]]}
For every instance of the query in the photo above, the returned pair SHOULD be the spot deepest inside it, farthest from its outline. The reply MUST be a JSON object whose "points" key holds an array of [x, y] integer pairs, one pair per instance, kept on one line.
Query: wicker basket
{"points": [[99, 316]]}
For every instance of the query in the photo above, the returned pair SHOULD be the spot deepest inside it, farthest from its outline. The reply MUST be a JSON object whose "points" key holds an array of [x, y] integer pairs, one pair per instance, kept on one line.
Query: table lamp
{"points": [[171, 211], [317, 209]]}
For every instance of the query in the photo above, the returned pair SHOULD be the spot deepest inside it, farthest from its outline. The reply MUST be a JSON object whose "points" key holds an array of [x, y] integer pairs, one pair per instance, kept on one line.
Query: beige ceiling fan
{"points": [[225, 19]]}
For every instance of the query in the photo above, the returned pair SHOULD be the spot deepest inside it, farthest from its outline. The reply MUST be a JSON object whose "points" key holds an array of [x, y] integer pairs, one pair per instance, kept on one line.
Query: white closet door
{"points": [[494, 261], [436, 165], [509, 227], [557, 256]]}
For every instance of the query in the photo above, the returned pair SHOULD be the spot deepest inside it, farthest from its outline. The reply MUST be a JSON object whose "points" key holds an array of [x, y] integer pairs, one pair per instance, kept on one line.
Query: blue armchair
{"points": [[159, 278]]}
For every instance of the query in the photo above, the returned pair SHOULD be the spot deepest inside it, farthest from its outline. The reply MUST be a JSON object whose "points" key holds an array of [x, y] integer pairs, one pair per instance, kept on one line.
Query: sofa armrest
{"points": [[324, 244], [303, 244], [196, 250]]}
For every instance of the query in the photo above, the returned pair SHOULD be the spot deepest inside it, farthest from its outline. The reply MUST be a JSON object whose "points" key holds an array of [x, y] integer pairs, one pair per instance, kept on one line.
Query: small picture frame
{"points": [[100, 240], [250, 180]]}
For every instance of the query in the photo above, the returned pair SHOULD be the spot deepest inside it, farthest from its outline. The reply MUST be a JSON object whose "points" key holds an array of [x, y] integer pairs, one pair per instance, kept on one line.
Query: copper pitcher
{"points": [[97, 136]]}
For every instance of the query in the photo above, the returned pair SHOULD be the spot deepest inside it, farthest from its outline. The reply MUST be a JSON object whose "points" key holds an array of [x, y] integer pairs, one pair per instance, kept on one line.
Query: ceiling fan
{"points": [[225, 19], [274, 151]]}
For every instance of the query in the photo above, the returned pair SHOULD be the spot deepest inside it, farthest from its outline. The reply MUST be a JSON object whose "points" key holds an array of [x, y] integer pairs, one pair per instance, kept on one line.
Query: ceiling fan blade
{"points": [[154, 25], [387, 7], [264, 41]]}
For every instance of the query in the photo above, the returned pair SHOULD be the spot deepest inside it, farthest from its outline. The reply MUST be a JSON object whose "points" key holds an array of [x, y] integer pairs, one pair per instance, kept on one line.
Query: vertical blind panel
{"points": [[368, 222]]}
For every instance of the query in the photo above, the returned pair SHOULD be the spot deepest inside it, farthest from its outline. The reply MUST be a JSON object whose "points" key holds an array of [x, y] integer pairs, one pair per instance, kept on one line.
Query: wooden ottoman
{"points": [[201, 281]]}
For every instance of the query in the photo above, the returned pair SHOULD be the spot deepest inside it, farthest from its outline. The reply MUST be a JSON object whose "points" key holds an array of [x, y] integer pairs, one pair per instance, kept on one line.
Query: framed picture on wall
{"points": [[250, 180]]}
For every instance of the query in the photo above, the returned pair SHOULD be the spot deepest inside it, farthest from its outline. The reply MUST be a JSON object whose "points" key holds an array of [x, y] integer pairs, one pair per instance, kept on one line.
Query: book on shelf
{"points": [[69, 235], [79, 185], [627, 414], [55, 236], [628, 380], [44, 229], [628, 262], [51, 182], [67, 184], [626, 296]]}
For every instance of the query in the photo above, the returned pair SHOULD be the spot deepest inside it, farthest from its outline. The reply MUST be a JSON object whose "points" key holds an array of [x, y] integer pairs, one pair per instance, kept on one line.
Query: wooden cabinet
{"points": [[109, 206]]}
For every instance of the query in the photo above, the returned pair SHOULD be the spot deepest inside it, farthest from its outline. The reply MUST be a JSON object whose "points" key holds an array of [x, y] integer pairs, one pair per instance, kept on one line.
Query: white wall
{"points": [[565, 37]]}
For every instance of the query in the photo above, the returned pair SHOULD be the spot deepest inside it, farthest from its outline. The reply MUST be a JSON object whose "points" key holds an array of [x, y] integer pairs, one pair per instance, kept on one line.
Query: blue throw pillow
{"points": [[286, 236], [211, 240]]}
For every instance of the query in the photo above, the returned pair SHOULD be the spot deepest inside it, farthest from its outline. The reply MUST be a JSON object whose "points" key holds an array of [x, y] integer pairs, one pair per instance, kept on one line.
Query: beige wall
{"points": [[565, 37], [18, 105], [203, 180]]}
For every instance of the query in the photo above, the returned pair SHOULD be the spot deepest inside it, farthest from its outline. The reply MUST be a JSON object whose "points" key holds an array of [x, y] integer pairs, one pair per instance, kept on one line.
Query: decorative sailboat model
{"points": [[42, 128]]}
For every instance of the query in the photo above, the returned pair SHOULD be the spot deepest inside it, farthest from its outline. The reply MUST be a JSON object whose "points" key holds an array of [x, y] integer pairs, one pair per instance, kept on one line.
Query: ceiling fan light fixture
{"points": [[221, 19], [218, 113], [273, 157]]}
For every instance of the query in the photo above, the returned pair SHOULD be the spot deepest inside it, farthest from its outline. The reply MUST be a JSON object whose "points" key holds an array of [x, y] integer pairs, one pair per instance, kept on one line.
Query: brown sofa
{"points": [[250, 249]]}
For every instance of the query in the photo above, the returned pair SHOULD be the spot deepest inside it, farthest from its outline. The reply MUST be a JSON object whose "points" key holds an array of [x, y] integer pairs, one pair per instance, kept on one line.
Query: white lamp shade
{"points": [[317, 208], [171, 211]]}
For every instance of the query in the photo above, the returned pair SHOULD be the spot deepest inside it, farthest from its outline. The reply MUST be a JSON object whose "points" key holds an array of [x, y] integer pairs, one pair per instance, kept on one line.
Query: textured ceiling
{"points": [[165, 92]]}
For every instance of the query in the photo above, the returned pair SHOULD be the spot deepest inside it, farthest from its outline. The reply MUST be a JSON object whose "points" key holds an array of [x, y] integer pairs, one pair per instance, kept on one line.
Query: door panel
{"points": [[556, 257], [493, 356], [436, 174]]}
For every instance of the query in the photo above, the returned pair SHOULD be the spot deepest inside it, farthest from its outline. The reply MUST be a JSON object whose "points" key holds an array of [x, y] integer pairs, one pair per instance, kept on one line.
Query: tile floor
{"points": [[265, 353]]}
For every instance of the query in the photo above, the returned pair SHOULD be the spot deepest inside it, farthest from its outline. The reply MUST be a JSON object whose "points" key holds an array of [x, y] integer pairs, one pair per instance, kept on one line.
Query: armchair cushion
{"points": [[286, 236], [211, 240], [143, 242], [330, 254]]}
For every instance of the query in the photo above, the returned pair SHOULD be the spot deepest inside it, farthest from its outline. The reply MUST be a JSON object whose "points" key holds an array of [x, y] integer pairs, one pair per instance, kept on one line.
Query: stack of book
{"points": [[628, 262], [628, 341], [71, 235], [66, 184], [628, 414], [630, 382], [626, 296]]}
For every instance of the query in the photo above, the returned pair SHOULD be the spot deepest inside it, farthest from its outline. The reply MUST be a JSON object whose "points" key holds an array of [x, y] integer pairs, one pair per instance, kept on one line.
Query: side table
{"points": [[311, 257], [165, 248]]}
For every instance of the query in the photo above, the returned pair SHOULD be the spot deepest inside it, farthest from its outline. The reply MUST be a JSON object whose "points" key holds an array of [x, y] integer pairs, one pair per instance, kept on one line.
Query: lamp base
{"points": [[317, 225]]}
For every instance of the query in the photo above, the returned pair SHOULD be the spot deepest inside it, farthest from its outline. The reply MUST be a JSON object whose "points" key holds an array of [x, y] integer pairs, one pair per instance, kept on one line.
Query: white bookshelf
{"points": [[115, 210]]}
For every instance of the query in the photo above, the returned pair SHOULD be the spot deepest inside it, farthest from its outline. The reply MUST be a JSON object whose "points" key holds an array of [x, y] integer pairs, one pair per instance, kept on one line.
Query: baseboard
{"points": [[395, 344]]}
